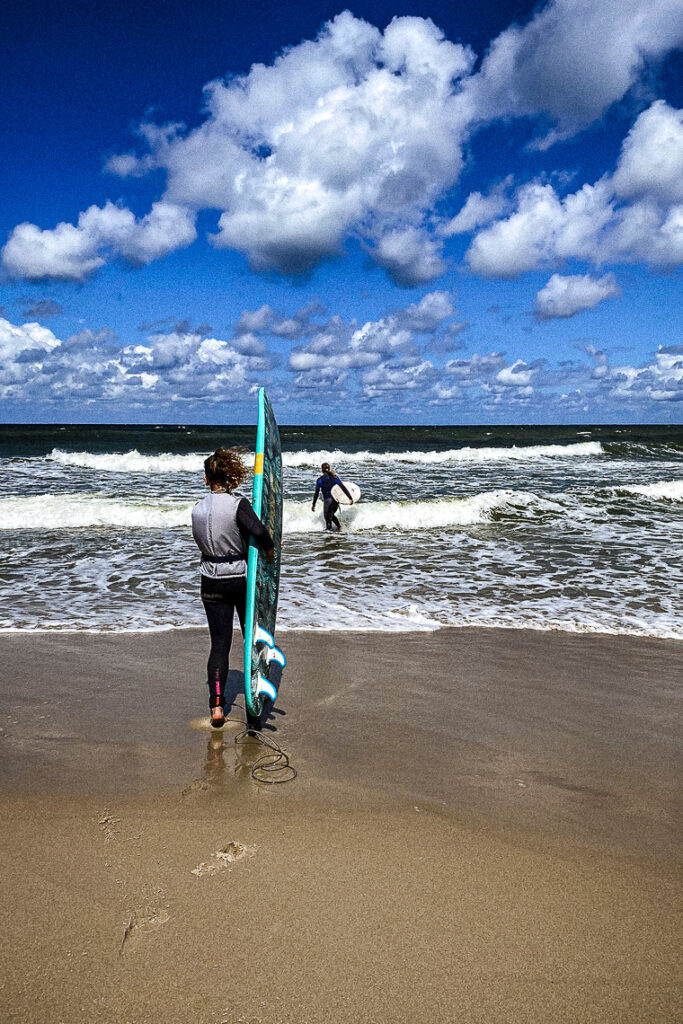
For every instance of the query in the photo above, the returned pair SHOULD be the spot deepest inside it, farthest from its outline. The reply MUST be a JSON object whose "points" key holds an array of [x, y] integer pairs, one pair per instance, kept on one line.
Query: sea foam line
{"points": [[439, 514], [666, 490], [77, 511], [129, 462], [166, 462], [582, 449]]}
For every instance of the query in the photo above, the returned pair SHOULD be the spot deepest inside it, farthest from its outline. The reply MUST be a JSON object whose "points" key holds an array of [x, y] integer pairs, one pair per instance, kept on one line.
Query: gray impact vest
{"points": [[215, 529]]}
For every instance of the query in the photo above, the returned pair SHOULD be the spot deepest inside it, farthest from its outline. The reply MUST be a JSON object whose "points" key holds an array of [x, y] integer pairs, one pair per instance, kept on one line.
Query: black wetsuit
{"points": [[324, 484], [223, 595]]}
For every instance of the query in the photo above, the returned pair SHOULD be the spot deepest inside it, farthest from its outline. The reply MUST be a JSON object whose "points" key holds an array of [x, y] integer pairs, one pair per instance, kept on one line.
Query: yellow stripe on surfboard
{"points": [[258, 464]]}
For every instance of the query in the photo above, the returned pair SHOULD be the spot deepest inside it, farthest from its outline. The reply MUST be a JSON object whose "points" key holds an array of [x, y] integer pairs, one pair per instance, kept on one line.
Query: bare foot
{"points": [[217, 717]]}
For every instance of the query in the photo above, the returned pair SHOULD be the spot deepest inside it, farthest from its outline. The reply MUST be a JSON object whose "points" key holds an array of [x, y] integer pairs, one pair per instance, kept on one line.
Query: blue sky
{"points": [[393, 213]]}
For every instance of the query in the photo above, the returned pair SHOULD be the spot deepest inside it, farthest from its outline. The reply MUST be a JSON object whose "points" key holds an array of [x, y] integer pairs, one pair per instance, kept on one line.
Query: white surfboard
{"points": [[338, 494]]}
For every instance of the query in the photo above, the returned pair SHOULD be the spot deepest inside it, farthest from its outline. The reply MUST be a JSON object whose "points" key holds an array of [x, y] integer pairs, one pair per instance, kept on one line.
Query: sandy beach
{"points": [[484, 827]]}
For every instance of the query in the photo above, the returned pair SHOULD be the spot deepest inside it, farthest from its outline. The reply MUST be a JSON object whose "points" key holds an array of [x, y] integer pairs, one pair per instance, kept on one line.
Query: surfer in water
{"points": [[222, 524], [324, 485]]}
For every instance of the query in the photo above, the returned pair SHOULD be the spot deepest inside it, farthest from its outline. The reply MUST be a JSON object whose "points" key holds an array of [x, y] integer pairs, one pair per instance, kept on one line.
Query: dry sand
{"points": [[483, 829]]}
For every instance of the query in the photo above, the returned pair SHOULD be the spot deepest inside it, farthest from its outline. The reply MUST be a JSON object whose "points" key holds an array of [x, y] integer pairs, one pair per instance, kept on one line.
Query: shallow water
{"points": [[547, 528]]}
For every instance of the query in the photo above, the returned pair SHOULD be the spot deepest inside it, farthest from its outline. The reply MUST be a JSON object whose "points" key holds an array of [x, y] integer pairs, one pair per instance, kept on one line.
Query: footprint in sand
{"points": [[223, 858], [198, 786], [108, 827], [146, 919]]}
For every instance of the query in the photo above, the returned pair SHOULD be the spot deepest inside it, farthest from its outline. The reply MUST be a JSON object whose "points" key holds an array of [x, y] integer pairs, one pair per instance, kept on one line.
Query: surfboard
{"points": [[338, 494], [263, 577]]}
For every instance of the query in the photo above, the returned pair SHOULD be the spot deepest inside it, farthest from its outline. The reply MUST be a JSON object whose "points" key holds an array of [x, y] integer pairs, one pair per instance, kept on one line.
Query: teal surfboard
{"points": [[263, 577]]}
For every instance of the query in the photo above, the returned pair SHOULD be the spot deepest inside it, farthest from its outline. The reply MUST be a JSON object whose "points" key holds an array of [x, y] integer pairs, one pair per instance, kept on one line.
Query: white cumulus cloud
{"points": [[360, 134], [477, 211], [573, 60], [562, 297], [597, 223], [354, 132], [389, 341], [651, 162], [15, 339], [71, 252]]}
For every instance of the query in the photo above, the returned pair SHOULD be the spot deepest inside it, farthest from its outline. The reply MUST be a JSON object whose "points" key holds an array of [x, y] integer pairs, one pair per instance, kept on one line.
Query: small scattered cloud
{"points": [[409, 256], [518, 375], [91, 366], [563, 297], [266, 321], [15, 339], [660, 380], [478, 211], [390, 341], [383, 361], [41, 308]]}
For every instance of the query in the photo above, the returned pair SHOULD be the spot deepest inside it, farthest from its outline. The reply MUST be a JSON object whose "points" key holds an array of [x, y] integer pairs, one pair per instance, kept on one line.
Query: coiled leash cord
{"points": [[274, 763]]}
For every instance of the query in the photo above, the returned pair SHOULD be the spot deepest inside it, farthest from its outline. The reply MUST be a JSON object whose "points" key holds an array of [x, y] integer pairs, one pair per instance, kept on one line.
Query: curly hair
{"points": [[225, 468]]}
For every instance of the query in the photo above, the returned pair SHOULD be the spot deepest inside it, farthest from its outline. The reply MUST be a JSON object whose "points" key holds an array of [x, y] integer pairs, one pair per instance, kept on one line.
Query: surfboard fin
{"points": [[275, 654], [262, 636], [266, 688]]}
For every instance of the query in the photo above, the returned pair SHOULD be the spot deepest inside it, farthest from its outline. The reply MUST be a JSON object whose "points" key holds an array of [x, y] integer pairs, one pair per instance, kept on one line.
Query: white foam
{"points": [[75, 511], [583, 449], [135, 462], [129, 462], [418, 515], [669, 490]]}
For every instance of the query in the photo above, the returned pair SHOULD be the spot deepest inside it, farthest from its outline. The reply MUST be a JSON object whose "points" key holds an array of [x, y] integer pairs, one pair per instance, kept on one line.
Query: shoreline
{"points": [[340, 630], [471, 720], [482, 830]]}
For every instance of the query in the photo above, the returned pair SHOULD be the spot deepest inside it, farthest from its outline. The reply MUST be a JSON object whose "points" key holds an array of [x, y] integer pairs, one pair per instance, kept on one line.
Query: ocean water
{"points": [[565, 528]]}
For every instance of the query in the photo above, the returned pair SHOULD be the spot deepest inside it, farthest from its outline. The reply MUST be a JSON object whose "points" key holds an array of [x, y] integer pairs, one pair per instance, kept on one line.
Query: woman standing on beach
{"points": [[222, 524], [325, 483]]}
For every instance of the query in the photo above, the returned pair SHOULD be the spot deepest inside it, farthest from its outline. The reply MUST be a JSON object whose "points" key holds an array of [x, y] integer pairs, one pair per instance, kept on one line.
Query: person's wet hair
{"points": [[225, 468]]}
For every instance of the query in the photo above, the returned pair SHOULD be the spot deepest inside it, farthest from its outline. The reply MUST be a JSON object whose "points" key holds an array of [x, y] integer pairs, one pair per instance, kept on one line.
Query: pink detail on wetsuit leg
{"points": [[218, 687]]}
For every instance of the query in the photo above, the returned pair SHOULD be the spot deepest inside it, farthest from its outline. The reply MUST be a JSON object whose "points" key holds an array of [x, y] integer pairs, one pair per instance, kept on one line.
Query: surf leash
{"points": [[273, 763], [272, 767]]}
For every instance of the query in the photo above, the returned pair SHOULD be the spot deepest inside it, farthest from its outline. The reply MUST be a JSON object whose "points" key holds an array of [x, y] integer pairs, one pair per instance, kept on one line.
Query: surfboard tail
{"points": [[262, 636], [276, 655], [266, 689]]}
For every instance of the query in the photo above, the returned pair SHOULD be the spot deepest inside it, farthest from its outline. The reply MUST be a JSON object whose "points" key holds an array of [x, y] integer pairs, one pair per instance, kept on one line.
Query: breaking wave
{"points": [[76, 511], [412, 516], [166, 462], [584, 449], [129, 462], [663, 490]]}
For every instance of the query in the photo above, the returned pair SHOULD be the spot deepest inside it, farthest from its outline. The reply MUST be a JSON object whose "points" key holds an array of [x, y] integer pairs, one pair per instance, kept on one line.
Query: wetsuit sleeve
{"points": [[251, 526], [338, 481], [317, 491]]}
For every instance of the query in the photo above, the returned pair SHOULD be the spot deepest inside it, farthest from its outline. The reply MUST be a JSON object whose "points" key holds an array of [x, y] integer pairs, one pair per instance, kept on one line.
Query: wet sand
{"points": [[484, 827]]}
